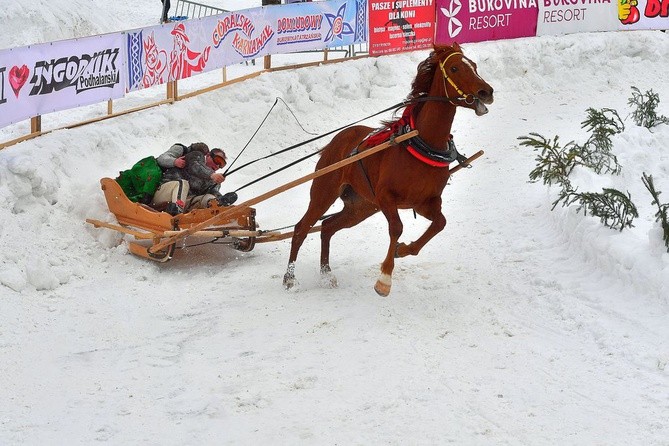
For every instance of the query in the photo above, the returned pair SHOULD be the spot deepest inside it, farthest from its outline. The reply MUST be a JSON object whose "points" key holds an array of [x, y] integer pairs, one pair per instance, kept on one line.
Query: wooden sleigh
{"points": [[158, 232], [150, 226]]}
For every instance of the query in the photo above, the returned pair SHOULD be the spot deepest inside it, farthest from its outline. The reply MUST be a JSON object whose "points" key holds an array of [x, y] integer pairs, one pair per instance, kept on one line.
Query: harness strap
{"points": [[362, 166]]}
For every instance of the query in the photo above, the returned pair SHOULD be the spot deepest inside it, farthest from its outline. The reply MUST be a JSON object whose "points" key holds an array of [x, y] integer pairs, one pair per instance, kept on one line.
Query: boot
{"points": [[173, 209], [227, 199]]}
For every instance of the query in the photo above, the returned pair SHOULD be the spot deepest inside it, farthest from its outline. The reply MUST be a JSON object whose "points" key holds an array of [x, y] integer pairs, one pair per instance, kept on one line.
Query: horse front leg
{"points": [[431, 211], [322, 196], [395, 227]]}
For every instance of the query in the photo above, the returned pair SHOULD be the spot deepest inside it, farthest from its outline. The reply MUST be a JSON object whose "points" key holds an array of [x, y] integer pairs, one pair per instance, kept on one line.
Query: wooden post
{"points": [[36, 124], [225, 75], [325, 54], [110, 110], [268, 61], [172, 91]]}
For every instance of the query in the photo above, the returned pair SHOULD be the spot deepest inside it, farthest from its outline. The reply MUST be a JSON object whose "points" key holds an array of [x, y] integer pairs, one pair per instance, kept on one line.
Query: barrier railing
{"points": [[158, 55], [193, 10]]}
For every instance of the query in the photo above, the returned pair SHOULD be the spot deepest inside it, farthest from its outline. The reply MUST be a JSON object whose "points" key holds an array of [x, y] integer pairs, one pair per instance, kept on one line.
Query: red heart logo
{"points": [[18, 77]]}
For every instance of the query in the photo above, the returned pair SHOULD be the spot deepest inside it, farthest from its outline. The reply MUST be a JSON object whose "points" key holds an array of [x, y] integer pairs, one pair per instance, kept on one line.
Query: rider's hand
{"points": [[217, 177], [180, 162]]}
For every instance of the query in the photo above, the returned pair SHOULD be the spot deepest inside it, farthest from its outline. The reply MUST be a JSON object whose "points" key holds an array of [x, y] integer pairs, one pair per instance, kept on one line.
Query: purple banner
{"points": [[181, 49], [480, 20], [48, 77]]}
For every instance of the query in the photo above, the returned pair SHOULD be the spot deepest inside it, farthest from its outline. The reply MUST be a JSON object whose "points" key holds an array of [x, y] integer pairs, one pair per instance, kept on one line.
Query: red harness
{"points": [[418, 148]]}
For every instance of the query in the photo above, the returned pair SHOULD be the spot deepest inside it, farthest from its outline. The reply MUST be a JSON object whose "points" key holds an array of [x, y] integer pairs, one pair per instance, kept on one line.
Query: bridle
{"points": [[467, 99]]}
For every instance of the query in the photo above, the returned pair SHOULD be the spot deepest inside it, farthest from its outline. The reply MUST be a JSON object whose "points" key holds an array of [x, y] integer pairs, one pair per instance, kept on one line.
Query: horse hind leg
{"points": [[320, 201], [356, 209]]}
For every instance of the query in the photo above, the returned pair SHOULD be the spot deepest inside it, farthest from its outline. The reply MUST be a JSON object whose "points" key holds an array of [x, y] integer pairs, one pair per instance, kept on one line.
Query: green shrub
{"points": [[662, 215], [644, 114]]}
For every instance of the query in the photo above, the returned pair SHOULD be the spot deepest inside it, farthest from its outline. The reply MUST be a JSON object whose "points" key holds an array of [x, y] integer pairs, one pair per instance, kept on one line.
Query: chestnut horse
{"points": [[403, 176]]}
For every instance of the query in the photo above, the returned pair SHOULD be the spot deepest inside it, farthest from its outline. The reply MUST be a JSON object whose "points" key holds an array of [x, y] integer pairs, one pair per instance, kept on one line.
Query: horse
{"points": [[407, 175]]}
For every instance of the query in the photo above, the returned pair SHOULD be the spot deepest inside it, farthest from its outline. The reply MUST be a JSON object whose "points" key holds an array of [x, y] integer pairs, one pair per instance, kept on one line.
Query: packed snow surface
{"points": [[517, 324]]}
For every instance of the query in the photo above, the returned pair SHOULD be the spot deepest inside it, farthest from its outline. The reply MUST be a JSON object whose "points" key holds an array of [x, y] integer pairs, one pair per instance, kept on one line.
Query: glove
{"points": [[227, 199]]}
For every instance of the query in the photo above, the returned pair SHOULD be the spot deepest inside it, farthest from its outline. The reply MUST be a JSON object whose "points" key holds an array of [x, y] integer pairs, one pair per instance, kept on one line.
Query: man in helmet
{"points": [[205, 188], [190, 179]]}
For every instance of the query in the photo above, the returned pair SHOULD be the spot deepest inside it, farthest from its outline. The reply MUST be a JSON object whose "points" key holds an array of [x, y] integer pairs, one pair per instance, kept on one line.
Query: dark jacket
{"points": [[196, 172]]}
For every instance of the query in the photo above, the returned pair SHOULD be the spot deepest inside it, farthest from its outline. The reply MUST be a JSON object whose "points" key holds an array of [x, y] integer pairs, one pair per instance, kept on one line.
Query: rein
{"points": [[395, 107], [421, 98]]}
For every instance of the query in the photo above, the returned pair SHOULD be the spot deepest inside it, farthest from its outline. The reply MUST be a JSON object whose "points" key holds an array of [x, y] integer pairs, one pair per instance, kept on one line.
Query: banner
{"points": [[481, 20], [49, 77], [643, 14], [179, 50], [400, 25], [571, 16]]}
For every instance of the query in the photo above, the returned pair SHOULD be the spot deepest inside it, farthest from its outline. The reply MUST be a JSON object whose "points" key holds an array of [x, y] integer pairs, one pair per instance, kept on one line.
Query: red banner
{"points": [[400, 25]]}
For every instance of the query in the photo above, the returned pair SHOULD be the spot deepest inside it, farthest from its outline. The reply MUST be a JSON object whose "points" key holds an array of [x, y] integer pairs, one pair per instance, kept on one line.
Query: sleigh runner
{"points": [[150, 226]]}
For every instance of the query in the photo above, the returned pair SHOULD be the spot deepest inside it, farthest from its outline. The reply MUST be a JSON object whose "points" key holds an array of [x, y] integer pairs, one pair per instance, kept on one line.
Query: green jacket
{"points": [[141, 181]]}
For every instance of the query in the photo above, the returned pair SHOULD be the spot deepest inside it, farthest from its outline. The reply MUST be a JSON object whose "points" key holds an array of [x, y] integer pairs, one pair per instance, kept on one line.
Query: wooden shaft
{"points": [[467, 161], [227, 214], [274, 237], [137, 234], [238, 233]]}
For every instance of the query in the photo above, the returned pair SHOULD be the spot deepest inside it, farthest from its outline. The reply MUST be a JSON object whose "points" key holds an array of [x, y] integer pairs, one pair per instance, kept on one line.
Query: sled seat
{"points": [[138, 215]]}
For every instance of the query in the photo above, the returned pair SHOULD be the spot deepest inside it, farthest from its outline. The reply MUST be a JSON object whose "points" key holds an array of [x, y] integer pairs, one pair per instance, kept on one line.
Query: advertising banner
{"points": [[643, 14], [466, 21], [179, 50], [572, 16], [400, 25], [48, 77]]}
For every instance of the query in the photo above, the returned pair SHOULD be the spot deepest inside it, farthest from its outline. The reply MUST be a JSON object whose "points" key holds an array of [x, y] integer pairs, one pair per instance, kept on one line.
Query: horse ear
{"points": [[456, 47]]}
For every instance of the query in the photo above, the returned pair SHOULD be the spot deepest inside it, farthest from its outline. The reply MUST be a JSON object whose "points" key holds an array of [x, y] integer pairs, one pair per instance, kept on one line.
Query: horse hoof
{"points": [[328, 280], [289, 282], [382, 289], [382, 286]]}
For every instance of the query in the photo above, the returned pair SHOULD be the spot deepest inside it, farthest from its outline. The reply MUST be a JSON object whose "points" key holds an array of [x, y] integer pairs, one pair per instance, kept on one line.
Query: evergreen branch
{"points": [[662, 215], [554, 163], [606, 120], [614, 209], [644, 113]]}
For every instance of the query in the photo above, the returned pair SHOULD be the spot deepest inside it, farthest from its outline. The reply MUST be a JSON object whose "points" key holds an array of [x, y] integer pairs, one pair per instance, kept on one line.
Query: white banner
{"points": [[572, 16], [48, 77], [184, 48]]}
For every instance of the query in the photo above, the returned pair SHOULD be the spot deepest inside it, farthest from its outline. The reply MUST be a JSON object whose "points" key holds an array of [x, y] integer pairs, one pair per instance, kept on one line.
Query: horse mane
{"points": [[423, 81], [425, 73]]}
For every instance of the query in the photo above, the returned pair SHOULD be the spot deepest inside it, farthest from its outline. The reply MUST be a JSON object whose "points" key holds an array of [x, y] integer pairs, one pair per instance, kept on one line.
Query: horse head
{"points": [[457, 78]]}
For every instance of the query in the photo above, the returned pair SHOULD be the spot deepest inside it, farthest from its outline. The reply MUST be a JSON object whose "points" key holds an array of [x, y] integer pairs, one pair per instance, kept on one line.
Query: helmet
{"points": [[200, 147], [218, 157]]}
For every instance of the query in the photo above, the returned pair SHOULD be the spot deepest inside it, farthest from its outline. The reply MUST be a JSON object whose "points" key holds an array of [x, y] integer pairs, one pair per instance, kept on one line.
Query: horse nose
{"points": [[485, 95]]}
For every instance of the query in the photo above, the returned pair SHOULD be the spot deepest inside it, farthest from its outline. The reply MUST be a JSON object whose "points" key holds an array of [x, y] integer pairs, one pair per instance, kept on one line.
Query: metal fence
{"points": [[193, 10]]}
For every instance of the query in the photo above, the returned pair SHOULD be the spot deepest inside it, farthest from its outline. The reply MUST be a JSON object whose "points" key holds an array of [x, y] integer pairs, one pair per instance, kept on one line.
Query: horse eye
{"points": [[454, 69]]}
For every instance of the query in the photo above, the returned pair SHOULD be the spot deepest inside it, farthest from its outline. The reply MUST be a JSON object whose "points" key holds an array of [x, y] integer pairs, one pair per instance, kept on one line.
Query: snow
{"points": [[515, 325]]}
